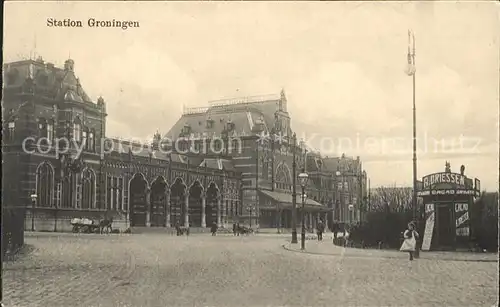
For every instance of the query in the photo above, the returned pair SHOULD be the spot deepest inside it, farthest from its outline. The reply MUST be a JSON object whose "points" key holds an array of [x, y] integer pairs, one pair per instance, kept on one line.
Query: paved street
{"points": [[159, 270]]}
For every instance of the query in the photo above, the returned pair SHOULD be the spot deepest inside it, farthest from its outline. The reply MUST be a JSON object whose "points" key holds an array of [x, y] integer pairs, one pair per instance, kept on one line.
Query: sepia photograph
{"points": [[250, 153]]}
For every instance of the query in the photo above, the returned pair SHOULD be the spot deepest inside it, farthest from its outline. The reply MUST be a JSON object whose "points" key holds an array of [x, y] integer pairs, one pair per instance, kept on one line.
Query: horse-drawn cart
{"points": [[85, 225]]}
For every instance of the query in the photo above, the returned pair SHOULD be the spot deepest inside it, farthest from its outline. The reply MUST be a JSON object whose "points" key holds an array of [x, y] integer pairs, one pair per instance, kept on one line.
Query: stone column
{"points": [[148, 207], [219, 208], [203, 210], [168, 223], [186, 215]]}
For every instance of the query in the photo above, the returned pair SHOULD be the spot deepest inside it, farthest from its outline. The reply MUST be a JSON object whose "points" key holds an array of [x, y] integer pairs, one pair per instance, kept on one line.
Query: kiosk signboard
{"points": [[429, 227], [462, 219]]}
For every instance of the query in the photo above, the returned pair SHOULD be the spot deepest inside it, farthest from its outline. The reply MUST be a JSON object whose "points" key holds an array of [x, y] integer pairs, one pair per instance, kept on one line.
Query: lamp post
{"points": [[294, 191], [410, 71], [33, 197], [303, 178]]}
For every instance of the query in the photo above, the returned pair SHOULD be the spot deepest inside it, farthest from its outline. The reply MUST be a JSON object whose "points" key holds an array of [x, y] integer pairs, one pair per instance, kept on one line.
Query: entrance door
{"points": [[445, 226]]}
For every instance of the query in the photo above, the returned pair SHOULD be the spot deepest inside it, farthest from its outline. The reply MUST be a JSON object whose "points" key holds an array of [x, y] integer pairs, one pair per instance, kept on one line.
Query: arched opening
{"points": [[177, 202], [159, 202], [195, 204], [283, 178], [88, 189], [138, 203], [45, 184], [211, 204]]}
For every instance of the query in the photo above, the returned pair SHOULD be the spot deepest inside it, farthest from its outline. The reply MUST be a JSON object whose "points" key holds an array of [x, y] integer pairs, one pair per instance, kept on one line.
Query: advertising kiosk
{"points": [[447, 198]]}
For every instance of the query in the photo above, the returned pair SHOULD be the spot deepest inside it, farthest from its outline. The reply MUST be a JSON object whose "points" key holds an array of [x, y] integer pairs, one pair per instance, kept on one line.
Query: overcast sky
{"points": [[341, 65]]}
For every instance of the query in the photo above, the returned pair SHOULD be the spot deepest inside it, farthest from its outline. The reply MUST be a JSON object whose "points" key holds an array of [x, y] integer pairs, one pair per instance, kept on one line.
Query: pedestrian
{"points": [[178, 228], [319, 230], [410, 240], [238, 229], [335, 229], [234, 229], [213, 229]]}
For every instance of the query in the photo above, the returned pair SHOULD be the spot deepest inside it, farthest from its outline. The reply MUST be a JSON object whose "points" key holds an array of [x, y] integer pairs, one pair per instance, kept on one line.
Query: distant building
{"points": [[232, 130]]}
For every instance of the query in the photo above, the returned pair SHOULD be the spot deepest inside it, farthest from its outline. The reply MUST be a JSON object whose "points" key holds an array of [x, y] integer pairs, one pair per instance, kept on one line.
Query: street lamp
{"points": [[294, 192], [410, 71], [303, 178], [250, 209], [33, 197]]}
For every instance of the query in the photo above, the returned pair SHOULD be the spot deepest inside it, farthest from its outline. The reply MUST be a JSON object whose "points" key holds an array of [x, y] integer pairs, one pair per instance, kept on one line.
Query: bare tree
{"points": [[391, 199]]}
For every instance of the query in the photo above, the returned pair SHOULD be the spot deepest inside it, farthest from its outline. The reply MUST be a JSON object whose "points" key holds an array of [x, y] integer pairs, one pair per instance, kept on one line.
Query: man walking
{"points": [[234, 229], [335, 229], [319, 229], [213, 229]]}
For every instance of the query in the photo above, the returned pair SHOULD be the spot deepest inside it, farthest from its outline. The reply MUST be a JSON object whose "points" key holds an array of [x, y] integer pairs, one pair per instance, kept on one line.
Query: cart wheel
{"points": [[75, 229]]}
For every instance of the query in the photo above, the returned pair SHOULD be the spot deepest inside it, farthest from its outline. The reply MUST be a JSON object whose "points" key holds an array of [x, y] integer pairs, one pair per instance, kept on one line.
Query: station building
{"points": [[246, 175]]}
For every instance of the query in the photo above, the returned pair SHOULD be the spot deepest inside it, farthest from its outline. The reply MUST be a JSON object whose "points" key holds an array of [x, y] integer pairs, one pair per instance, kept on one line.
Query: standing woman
{"points": [[410, 240]]}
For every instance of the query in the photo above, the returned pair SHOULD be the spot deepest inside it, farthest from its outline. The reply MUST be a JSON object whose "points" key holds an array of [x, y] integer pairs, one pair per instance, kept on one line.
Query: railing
{"points": [[221, 103], [12, 230], [238, 100]]}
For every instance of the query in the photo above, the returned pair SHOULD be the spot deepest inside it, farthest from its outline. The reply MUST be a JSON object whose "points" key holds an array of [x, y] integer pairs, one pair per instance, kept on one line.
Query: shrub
{"points": [[484, 221], [381, 229]]}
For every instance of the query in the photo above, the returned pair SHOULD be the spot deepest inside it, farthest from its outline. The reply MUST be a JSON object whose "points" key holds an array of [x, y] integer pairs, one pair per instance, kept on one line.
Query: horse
{"points": [[245, 230], [181, 230], [106, 224]]}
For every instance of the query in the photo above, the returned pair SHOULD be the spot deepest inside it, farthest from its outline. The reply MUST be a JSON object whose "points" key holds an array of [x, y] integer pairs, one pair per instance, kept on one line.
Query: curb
{"points": [[383, 257]]}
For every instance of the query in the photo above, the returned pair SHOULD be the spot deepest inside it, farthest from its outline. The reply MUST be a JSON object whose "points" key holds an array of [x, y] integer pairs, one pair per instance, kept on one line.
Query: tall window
{"points": [[84, 139], [42, 128], [114, 192], [67, 192], [50, 131], [77, 130], [58, 195], [283, 180], [11, 128], [78, 181], [91, 141], [88, 189], [45, 184]]}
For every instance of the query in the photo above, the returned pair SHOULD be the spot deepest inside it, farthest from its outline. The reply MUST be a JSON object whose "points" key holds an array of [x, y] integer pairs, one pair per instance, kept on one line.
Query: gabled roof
{"points": [[333, 164]]}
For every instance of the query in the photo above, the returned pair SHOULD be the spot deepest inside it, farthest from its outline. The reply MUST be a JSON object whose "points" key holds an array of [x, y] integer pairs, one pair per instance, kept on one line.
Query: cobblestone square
{"points": [[201, 270]]}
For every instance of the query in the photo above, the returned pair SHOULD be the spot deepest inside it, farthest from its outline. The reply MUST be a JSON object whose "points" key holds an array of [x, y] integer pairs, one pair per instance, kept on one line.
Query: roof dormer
{"points": [[209, 123]]}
